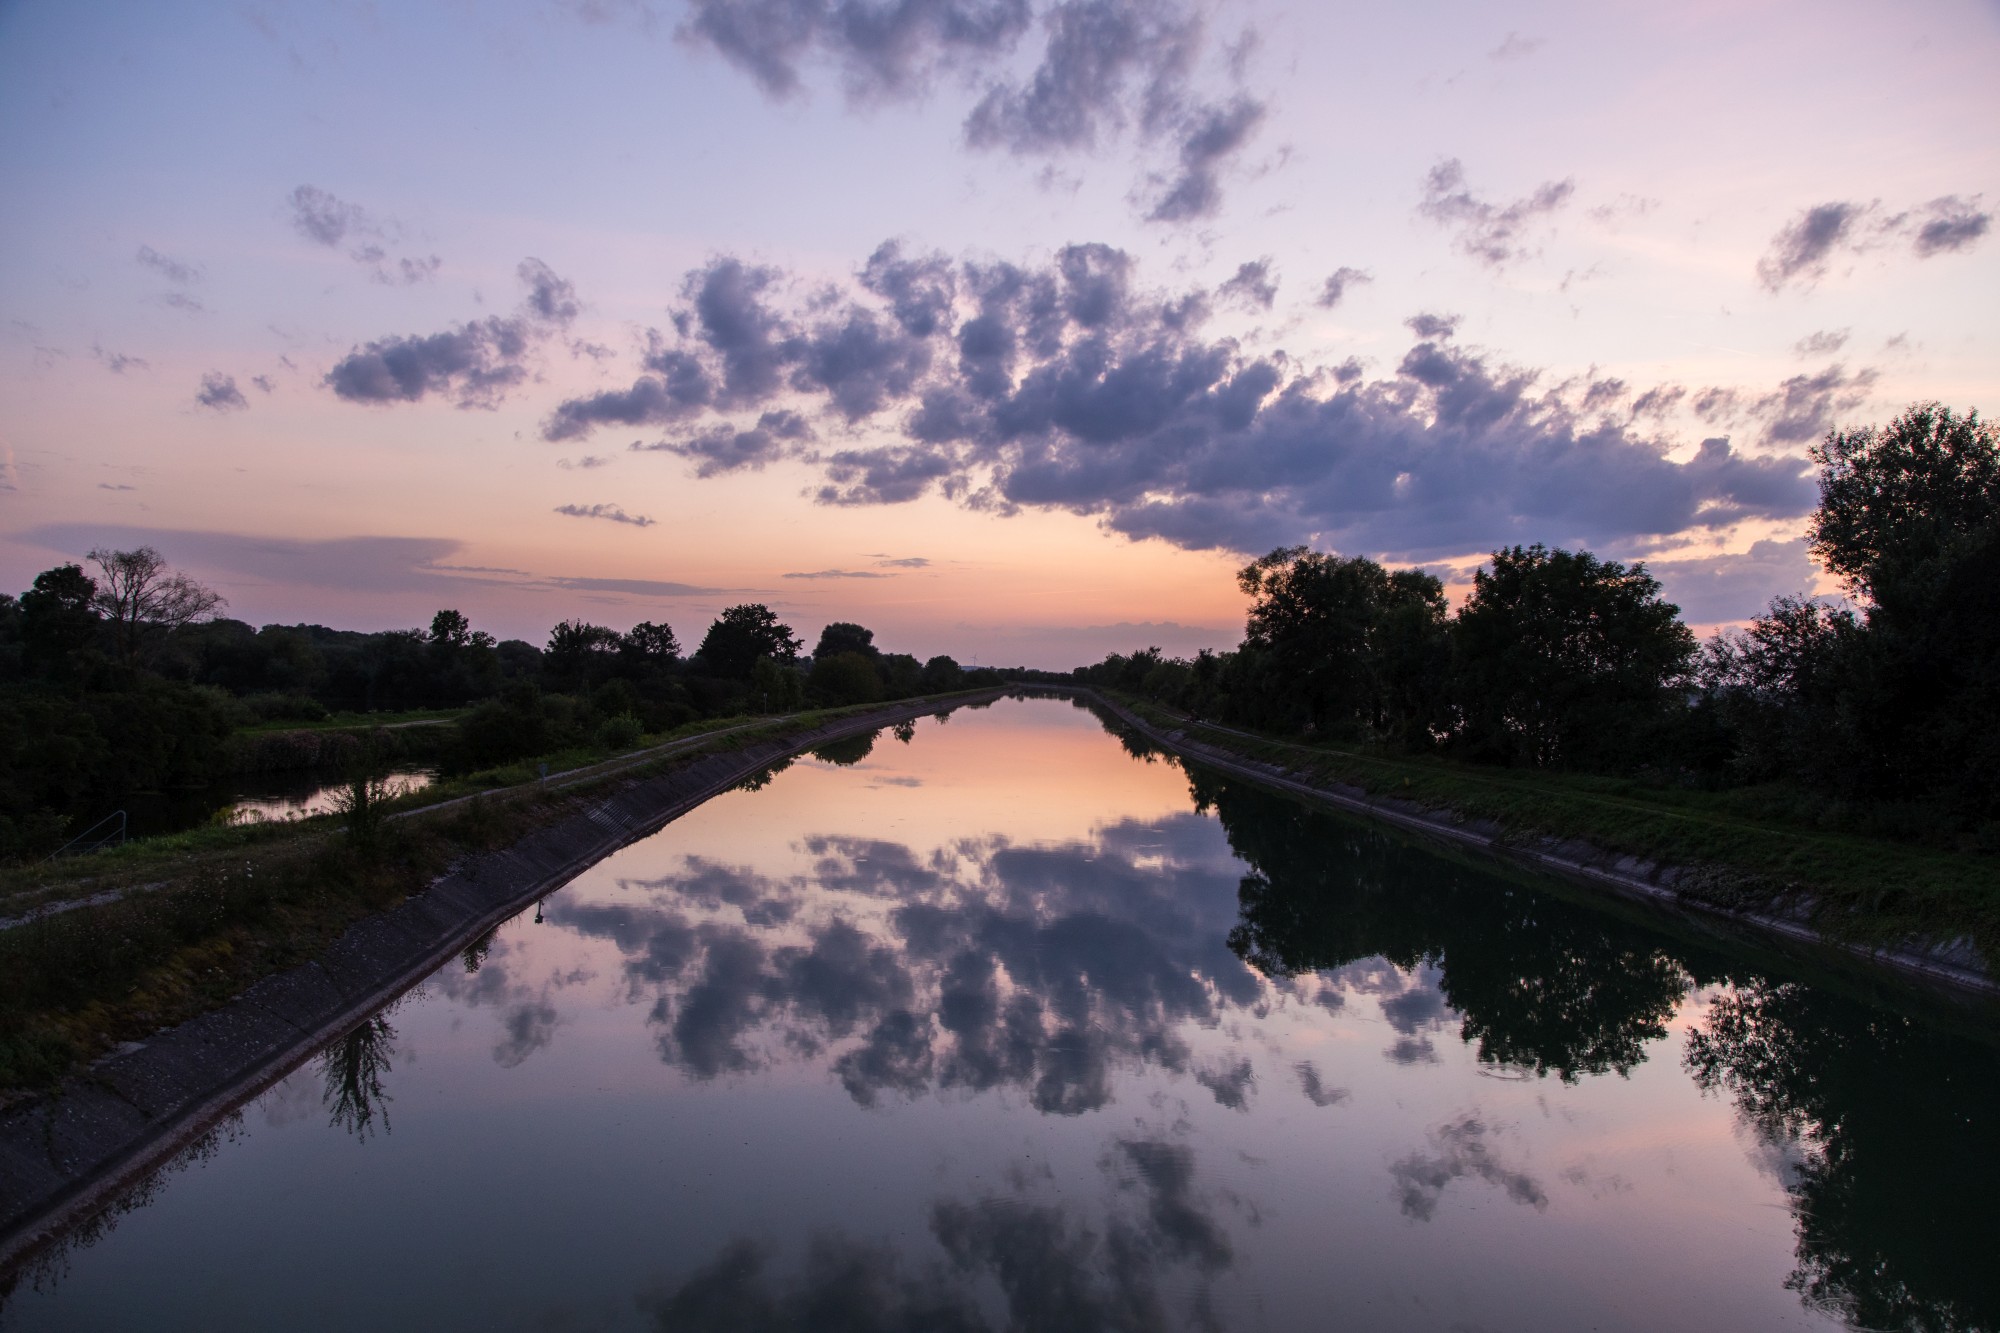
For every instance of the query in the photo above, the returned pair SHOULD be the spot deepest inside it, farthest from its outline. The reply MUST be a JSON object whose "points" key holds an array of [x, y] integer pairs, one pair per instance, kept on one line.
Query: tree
{"points": [[139, 590], [1343, 646], [1897, 504], [844, 678], [1567, 660], [1909, 518], [741, 635], [844, 637], [649, 643], [450, 629], [58, 616], [575, 646]]}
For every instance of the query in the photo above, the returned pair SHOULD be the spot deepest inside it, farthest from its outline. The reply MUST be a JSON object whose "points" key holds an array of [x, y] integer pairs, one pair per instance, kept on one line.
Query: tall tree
{"points": [[845, 637], [741, 635], [1563, 659], [58, 617], [139, 590]]}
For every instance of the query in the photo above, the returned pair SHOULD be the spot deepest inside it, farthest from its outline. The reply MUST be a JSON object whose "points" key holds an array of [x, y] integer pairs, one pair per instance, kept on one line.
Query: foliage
{"points": [[138, 592], [741, 635], [844, 678], [845, 637]]}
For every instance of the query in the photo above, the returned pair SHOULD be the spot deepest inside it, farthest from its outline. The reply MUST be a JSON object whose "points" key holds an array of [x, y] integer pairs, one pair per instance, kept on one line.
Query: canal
{"points": [[995, 1021]]}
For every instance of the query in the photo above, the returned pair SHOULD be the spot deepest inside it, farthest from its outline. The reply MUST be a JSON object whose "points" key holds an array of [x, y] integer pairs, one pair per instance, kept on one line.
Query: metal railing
{"points": [[106, 832]]}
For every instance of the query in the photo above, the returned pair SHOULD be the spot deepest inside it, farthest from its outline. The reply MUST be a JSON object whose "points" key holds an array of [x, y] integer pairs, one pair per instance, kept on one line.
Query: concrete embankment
{"points": [[1954, 964], [66, 1156]]}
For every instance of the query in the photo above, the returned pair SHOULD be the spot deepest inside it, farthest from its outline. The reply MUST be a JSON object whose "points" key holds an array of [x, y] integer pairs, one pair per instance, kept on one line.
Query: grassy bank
{"points": [[1748, 850], [174, 926]]}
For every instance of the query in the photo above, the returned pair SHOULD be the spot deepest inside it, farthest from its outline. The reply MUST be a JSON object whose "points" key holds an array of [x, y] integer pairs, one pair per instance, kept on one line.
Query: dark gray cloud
{"points": [[1802, 408], [1104, 68], [1069, 386], [1335, 288], [1207, 138], [1494, 234], [318, 216], [1825, 342], [1253, 285], [882, 50], [1802, 251], [264, 383], [610, 513], [1805, 249], [1433, 326], [1949, 224], [475, 363], [584, 464], [173, 270], [182, 301], [1230, 1082], [218, 393], [550, 298], [904, 562], [725, 449], [1515, 47], [326, 220], [1460, 1149]]}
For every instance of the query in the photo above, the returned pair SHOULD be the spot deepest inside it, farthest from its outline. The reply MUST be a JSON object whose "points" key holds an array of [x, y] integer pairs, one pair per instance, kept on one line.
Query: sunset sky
{"points": [[1007, 328]]}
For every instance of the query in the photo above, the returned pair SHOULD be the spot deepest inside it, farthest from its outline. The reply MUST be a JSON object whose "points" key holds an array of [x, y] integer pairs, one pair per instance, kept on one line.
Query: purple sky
{"points": [[1008, 328]]}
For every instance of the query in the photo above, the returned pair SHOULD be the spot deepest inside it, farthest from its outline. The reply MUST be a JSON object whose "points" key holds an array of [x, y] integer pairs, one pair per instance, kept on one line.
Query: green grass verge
{"points": [[1749, 848], [357, 721]]}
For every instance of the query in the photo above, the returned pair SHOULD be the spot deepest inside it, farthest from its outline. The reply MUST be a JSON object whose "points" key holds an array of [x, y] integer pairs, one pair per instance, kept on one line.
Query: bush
{"points": [[620, 733]]}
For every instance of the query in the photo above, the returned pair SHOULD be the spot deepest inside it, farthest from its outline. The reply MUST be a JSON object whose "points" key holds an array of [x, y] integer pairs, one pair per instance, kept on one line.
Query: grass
{"points": [[1748, 849], [357, 721], [206, 913]]}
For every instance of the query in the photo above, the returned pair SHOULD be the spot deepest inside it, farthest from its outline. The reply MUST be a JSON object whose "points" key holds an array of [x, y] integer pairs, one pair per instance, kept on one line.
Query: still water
{"points": [[250, 798], [991, 1023]]}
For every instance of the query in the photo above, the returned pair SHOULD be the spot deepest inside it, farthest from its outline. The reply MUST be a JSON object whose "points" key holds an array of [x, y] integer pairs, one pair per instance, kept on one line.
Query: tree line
{"points": [[1881, 709], [120, 675]]}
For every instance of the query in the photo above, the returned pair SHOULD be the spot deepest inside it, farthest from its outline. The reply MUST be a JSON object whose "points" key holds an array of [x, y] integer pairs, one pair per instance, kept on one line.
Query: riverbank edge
{"points": [[1574, 860], [68, 1156]]}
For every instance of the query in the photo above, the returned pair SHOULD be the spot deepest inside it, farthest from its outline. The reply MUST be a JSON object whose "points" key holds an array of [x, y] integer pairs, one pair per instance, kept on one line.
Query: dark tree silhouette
{"points": [[741, 635], [845, 637]]}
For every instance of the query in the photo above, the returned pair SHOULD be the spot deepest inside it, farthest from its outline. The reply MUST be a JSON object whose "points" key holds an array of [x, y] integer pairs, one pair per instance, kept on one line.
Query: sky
{"points": [[1007, 328]]}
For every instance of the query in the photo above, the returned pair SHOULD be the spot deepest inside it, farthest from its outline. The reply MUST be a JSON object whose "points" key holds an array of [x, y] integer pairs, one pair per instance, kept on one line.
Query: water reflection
{"points": [[352, 1069], [1884, 1134], [994, 1027], [1041, 968]]}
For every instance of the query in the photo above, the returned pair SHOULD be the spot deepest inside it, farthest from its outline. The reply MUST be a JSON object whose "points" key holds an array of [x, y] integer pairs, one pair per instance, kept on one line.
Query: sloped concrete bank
{"points": [[65, 1157], [1953, 964]]}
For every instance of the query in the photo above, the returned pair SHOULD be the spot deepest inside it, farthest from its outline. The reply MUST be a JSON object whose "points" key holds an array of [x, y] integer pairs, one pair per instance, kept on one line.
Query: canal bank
{"points": [[65, 1156], [1954, 964]]}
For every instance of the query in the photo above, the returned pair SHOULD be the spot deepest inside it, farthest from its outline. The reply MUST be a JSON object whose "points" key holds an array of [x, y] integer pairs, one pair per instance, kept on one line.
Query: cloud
{"points": [[476, 362], [1718, 589], [173, 270], [1433, 326], [1951, 224], [1805, 249], [117, 362], [1315, 1089], [839, 574], [551, 298], [1103, 68], [1253, 286], [1493, 234], [219, 393], [1801, 408], [263, 383], [182, 301], [609, 512], [1823, 343], [638, 587], [1461, 1149], [360, 564], [1070, 386], [1336, 285], [320, 217], [904, 562], [108, 486], [1516, 47], [724, 449], [585, 463]]}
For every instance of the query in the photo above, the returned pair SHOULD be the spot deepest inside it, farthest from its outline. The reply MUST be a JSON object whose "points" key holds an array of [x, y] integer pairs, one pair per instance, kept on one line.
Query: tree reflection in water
{"points": [[353, 1068], [1536, 982], [1884, 1132]]}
